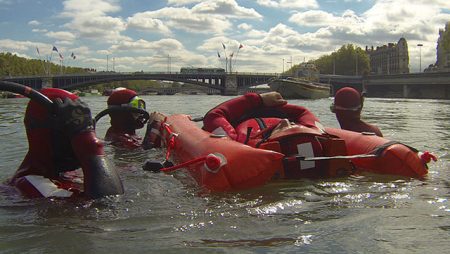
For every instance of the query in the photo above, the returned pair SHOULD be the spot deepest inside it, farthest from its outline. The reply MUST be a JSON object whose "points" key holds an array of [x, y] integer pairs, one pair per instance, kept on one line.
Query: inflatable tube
{"points": [[27, 92], [393, 158], [240, 167]]}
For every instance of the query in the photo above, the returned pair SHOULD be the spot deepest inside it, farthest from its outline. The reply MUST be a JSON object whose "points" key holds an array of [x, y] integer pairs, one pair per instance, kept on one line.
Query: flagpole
{"points": [[40, 59], [231, 60], [226, 57], [49, 63], [49, 67], [51, 55], [237, 53], [218, 56]]}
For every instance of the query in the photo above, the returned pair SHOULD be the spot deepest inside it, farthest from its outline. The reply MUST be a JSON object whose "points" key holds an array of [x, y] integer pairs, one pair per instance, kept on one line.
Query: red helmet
{"points": [[49, 150], [123, 104], [121, 96], [347, 99]]}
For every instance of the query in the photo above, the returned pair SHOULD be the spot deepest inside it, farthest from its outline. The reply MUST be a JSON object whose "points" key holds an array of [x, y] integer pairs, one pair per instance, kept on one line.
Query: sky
{"points": [[260, 35]]}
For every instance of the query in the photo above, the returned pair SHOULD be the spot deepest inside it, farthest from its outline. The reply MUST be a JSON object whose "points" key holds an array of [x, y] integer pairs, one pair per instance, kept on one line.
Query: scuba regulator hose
{"points": [[27, 92], [113, 109]]}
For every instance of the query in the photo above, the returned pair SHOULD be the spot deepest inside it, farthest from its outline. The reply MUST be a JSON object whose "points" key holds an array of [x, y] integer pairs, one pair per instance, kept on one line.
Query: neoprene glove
{"points": [[73, 117], [152, 137]]}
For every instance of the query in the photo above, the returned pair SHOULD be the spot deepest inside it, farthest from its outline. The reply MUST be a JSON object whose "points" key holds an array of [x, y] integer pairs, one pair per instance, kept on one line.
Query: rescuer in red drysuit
{"points": [[128, 113], [258, 112], [347, 106], [60, 143], [266, 121]]}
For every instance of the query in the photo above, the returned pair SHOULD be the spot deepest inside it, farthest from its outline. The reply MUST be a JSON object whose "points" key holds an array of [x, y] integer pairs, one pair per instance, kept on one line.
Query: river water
{"points": [[167, 214]]}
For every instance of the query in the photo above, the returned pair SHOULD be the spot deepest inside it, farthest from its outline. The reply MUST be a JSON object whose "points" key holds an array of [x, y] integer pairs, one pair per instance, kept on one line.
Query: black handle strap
{"points": [[27, 92]]}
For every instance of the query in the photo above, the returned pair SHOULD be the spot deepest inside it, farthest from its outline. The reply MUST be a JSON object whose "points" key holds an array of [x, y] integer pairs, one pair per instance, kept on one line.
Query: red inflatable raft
{"points": [[221, 164], [391, 157]]}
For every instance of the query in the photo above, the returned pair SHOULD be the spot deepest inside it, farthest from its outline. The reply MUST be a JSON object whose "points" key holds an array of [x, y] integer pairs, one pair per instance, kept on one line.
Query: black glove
{"points": [[73, 117], [151, 139]]}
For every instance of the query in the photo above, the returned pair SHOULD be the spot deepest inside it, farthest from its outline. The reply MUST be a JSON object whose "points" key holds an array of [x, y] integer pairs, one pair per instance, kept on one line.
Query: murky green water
{"points": [[165, 214]]}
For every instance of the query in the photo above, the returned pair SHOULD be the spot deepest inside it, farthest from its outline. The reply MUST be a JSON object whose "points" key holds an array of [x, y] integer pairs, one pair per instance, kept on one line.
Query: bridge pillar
{"points": [[47, 82], [406, 91], [230, 85]]}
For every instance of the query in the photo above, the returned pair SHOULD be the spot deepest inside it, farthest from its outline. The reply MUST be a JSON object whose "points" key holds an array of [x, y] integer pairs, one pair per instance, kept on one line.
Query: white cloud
{"points": [[289, 4], [103, 52], [184, 19], [182, 2], [34, 23], [87, 6], [23, 46], [11, 45], [138, 45], [255, 33], [89, 19], [80, 51], [206, 17], [313, 18], [144, 21], [153, 55], [228, 8], [244, 26], [35, 30], [61, 35]]}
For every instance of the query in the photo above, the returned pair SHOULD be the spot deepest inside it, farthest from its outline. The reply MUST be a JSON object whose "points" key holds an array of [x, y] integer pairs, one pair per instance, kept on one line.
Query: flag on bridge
{"points": [[55, 49], [224, 46], [218, 54], [73, 55], [60, 56], [240, 46]]}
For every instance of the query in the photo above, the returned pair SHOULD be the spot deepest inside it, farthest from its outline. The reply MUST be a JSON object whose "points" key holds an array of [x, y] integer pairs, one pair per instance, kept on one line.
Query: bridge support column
{"points": [[406, 91], [230, 85], [47, 82]]}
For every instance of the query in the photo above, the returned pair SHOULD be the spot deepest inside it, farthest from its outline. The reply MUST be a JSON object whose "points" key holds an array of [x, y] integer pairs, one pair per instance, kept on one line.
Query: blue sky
{"points": [[134, 35]]}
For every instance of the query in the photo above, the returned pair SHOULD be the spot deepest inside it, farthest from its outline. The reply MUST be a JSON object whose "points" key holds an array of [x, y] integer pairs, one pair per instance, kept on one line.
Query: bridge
{"points": [[432, 85], [415, 85], [225, 84]]}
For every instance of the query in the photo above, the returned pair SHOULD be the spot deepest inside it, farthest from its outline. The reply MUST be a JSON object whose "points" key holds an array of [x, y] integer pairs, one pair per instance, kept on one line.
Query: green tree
{"points": [[348, 60], [13, 65]]}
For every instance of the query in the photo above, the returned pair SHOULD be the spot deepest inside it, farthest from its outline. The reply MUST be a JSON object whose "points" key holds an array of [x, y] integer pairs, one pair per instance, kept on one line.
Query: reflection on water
{"points": [[167, 213]]}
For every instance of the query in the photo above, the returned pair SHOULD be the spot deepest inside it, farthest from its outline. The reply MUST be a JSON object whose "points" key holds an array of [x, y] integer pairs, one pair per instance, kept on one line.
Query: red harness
{"points": [[297, 143]]}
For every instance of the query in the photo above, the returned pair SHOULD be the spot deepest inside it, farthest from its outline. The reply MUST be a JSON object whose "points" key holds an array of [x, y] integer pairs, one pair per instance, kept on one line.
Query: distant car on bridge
{"points": [[193, 70]]}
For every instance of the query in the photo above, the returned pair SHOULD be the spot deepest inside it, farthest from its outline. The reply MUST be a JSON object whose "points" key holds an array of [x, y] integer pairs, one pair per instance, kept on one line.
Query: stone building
{"points": [[389, 59], [442, 55]]}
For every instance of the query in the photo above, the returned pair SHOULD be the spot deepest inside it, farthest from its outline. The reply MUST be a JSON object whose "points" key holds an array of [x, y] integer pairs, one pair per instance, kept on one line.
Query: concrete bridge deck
{"points": [[416, 85]]}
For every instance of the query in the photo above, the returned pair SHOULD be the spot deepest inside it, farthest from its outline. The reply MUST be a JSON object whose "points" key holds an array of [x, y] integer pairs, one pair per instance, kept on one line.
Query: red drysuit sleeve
{"points": [[229, 112]]}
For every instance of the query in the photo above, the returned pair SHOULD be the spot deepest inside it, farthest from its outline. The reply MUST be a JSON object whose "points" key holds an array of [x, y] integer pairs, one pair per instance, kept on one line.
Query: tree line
{"points": [[13, 65], [348, 60]]}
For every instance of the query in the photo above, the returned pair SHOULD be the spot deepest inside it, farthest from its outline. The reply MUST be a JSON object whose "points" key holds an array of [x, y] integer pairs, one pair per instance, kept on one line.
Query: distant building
{"points": [[442, 55], [389, 59]]}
